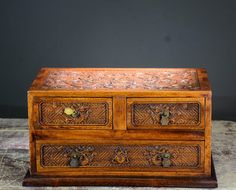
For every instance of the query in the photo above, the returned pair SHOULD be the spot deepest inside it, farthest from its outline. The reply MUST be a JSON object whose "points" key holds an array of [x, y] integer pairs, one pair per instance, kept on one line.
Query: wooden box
{"points": [[123, 127]]}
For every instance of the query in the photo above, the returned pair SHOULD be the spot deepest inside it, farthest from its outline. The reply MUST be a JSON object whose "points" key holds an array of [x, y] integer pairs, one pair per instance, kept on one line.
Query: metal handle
{"points": [[74, 162], [71, 112], [164, 117], [78, 159], [119, 159], [165, 160]]}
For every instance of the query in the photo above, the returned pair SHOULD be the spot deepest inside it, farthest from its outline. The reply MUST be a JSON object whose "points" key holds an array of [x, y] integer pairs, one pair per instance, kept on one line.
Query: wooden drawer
{"points": [[73, 113], [172, 113], [113, 157]]}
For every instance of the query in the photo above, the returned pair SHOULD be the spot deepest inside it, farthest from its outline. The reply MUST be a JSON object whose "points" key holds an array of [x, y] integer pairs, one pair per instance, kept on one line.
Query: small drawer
{"points": [[116, 156], [156, 113], [73, 113]]}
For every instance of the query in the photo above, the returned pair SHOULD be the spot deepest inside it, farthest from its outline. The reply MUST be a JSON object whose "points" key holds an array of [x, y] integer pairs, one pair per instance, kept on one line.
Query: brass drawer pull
{"points": [[78, 159], [164, 117], [165, 160], [74, 162], [82, 156], [121, 156], [158, 156], [71, 112]]}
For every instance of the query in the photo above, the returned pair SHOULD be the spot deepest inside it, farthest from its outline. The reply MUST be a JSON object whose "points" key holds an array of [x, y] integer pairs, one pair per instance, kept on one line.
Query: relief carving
{"points": [[121, 156], [165, 114]]}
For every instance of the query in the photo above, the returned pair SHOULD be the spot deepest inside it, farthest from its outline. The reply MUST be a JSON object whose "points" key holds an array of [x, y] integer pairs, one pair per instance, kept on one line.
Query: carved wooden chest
{"points": [[125, 127]]}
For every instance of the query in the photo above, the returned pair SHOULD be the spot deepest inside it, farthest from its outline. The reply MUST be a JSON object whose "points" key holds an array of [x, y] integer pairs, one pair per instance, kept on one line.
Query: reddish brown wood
{"points": [[122, 115]]}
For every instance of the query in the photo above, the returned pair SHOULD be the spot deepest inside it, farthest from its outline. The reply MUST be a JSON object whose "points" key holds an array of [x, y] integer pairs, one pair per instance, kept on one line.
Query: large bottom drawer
{"points": [[113, 157]]}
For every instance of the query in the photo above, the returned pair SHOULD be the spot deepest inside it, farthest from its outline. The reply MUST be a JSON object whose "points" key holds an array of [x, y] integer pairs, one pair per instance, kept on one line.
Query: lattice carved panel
{"points": [[149, 114], [52, 113], [138, 156]]}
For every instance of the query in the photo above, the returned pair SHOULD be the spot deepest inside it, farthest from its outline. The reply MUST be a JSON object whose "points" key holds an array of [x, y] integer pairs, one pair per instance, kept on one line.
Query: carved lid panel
{"points": [[117, 79]]}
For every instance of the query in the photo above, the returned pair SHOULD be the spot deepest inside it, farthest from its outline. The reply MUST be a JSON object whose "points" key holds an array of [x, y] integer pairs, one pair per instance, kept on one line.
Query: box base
{"points": [[204, 182]]}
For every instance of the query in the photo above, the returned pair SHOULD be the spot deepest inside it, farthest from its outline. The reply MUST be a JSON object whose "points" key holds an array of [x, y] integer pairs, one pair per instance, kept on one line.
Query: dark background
{"points": [[125, 33]]}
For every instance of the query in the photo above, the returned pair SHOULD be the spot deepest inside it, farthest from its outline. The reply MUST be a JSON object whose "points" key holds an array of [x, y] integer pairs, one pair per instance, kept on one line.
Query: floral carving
{"points": [[121, 79]]}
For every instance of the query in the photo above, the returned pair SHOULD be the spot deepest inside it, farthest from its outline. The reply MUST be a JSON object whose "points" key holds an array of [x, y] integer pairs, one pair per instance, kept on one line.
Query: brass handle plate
{"points": [[81, 156], [71, 112], [78, 159], [165, 160]]}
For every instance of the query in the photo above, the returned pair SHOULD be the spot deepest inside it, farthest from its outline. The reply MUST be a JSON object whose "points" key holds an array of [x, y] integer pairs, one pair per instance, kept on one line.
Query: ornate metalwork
{"points": [[159, 156], [81, 156], [165, 159], [71, 112], [164, 117]]}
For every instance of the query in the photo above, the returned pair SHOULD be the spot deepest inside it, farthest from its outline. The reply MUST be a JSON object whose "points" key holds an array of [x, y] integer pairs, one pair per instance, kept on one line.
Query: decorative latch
{"points": [[164, 117], [81, 157]]}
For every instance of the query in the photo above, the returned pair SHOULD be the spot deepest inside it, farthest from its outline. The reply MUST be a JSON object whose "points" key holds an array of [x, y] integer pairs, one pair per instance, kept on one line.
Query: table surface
{"points": [[14, 157]]}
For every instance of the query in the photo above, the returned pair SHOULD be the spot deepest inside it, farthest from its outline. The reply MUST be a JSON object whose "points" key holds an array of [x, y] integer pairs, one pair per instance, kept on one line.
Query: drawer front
{"points": [[149, 156], [69, 113], [152, 113]]}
